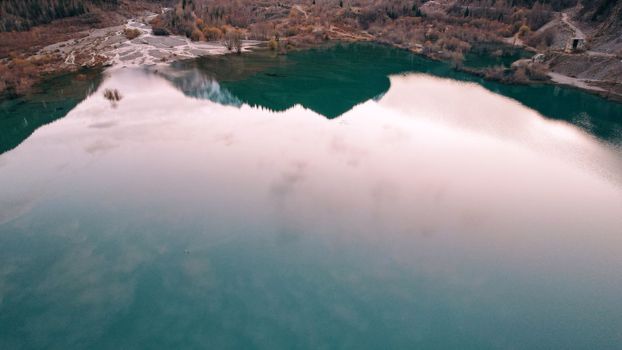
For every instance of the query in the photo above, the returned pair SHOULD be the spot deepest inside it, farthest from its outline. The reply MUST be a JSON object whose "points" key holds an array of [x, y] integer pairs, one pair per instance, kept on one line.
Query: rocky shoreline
{"points": [[112, 47], [105, 47]]}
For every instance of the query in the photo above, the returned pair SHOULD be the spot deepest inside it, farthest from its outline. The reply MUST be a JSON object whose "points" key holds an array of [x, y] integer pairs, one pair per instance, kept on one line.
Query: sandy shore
{"points": [[570, 81]]}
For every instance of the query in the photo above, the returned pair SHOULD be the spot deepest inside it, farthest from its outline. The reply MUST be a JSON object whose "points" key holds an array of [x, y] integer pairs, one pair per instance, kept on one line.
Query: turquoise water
{"points": [[493, 56], [49, 101], [345, 197], [332, 80]]}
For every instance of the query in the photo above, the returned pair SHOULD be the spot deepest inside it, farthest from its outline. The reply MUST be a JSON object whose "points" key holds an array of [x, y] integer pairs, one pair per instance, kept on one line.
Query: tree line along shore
{"points": [[440, 29]]}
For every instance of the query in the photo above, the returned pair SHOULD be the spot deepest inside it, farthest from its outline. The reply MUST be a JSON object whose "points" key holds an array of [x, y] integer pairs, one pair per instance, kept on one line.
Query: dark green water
{"points": [[331, 81], [51, 100], [494, 56], [350, 197]]}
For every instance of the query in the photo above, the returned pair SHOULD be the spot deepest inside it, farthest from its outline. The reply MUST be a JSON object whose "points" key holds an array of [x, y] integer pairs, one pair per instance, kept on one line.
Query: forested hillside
{"points": [[20, 15]]}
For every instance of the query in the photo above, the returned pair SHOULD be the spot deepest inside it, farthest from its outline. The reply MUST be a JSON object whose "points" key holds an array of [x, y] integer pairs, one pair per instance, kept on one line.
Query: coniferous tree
{"points": [[18, 15]]}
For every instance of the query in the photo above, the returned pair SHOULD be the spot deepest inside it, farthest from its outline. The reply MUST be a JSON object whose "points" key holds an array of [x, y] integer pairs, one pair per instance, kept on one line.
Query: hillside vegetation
{"points": [[439, 29], [28, 25], [447, 29], [19, 15]]}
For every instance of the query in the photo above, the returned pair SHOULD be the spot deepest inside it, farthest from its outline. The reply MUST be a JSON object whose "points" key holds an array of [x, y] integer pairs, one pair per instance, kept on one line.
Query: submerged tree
{"points": [[113, 95]]}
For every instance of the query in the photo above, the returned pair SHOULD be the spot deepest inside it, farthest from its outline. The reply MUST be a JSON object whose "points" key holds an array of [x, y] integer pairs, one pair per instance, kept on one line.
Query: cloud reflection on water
{"points": [[438, 181]]}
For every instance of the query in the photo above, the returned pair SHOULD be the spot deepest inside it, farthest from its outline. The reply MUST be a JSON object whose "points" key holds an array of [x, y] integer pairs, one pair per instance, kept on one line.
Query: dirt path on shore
{"points": [[579, 83], [578, 33], [301, 10], [583, 70]]}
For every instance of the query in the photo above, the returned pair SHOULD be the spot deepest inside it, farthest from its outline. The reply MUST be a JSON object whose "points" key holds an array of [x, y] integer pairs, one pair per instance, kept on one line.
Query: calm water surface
{"points": [[346, 197]]}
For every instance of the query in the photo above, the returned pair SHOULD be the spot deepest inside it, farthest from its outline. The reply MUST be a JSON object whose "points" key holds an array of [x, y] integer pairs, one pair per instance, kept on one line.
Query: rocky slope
{"points": [[606, 16]]}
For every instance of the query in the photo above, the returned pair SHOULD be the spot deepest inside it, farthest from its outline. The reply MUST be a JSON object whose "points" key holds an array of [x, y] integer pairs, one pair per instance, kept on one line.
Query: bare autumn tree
{"points": [[233, 40]]}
